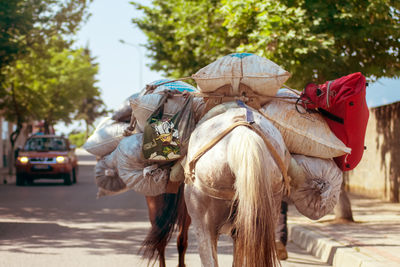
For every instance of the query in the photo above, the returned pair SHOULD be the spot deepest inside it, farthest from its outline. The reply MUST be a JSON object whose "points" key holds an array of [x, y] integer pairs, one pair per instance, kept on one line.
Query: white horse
{"points": [[235, 187]]}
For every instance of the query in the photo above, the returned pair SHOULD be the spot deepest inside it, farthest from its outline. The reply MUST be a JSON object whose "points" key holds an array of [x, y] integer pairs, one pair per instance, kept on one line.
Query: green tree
{"points": [[15, 20], [77, 138], [26, 24], [314, 40], [90, 109], [92, 106], [31, 27], [51, 88]]}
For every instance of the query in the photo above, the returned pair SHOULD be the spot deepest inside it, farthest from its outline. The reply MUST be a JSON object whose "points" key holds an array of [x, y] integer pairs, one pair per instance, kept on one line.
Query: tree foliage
{"points": [[91, 108], [51, 87], [32, 24], [41, 76], [314, 40]]}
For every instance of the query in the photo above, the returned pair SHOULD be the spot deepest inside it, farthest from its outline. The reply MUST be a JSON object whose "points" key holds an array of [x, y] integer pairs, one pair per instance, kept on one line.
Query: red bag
{"points": [[343, 104]]}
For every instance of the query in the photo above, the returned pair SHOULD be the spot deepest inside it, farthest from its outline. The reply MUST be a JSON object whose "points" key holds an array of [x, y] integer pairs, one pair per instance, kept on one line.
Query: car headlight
{"points": [[23, 160], [61, 159]]}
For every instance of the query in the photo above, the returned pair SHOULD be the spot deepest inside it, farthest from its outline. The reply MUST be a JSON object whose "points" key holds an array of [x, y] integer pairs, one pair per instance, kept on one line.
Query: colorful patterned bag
{"points": [[166, 138]]}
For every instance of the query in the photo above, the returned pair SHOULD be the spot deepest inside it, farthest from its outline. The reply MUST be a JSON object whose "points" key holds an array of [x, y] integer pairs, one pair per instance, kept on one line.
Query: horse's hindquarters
{"points": [[209, 215], [212, 172]]}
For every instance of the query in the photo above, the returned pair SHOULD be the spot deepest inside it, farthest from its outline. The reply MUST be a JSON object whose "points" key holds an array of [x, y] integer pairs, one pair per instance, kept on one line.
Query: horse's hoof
{"points": [[281, 251]]}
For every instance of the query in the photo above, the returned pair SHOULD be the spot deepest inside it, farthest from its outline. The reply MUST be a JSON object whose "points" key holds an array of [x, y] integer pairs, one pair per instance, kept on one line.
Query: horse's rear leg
{"points": [[154, 204], [207, 217], [182, 241], [161, 254]]}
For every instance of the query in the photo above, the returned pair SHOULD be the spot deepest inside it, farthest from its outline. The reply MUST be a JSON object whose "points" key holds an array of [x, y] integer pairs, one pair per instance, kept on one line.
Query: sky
{"points": [[123, 68]]}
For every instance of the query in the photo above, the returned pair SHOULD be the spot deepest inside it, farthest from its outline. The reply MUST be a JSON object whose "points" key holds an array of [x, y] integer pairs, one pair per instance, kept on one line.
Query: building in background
{"points": [[6, 128], [378, 174]]}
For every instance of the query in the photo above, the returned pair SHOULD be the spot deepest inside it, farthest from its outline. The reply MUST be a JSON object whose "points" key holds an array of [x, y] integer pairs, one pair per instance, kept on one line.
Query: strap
{"points": [[249, 112], [212, 143], [328, 93], [132, 125], [331, 116], [278, 160]]}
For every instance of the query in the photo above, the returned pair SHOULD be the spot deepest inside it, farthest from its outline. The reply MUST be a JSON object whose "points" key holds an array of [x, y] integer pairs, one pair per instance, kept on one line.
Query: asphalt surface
{"points": [[50, 224]]}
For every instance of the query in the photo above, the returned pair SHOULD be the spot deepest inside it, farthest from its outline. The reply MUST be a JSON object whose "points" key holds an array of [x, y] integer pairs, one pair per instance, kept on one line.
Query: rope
{"points": [[290, 89]]}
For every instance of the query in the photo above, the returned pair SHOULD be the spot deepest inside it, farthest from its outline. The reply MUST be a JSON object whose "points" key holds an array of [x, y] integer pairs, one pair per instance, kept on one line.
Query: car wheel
{"points": [[74, 174], [67, 179], [20, 180], [29, 180]]}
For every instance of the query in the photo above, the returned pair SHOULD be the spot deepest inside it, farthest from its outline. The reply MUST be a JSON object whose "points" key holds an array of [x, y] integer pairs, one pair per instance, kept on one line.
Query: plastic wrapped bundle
{"points": [[106, 137], [168, 84], [137, 173], [319, 193], [304, 133], [124, 111], [106, 175]]}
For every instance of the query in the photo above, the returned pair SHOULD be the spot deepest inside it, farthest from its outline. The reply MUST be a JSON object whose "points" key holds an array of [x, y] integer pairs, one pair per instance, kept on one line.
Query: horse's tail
{"points": [[251, 163], [169, 211]]}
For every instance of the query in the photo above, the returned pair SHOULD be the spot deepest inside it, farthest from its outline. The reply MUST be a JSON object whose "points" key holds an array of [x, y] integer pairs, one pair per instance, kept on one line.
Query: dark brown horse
{"points": [[167, 212]]}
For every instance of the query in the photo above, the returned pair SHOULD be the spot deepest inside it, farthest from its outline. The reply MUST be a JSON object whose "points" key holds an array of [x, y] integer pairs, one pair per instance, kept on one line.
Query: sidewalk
{"points": [[5, 177], [372, 241]]}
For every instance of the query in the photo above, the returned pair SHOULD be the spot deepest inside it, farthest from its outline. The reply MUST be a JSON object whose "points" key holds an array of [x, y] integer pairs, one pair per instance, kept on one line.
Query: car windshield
{"points": [[46, 144]]}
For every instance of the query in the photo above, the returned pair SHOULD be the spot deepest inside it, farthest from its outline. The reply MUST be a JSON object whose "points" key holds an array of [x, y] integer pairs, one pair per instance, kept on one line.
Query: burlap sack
{"points": [[263, 76], [304, 133], [319, 193], [131, 168], [106, 137], [124, 111], [107, 178]]}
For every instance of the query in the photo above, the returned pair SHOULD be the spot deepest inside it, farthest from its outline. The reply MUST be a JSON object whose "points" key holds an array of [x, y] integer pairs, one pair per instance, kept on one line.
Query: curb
{"points": [[331, 251]]}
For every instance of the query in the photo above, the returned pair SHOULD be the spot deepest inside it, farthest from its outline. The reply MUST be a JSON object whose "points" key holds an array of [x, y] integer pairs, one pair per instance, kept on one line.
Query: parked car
{"points": [[46, 156]]}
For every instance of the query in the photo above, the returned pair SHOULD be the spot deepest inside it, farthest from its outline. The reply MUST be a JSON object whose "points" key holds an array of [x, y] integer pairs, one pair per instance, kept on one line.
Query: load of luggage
{"points": [[144, 145]]}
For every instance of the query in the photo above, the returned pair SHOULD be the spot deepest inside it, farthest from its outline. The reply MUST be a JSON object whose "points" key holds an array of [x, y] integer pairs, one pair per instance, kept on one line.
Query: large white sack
{"points": [[131, 166], [106, 137], [318, 195], [304, 133], [124, 111], [144, 106], [107, 178], [260, 74]]}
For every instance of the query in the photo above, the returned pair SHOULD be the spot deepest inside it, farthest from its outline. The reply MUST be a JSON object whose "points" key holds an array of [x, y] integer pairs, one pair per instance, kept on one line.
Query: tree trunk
{"points": [[13, 135], [11, 153], [87, 130], [343, 212], [46, 127]]}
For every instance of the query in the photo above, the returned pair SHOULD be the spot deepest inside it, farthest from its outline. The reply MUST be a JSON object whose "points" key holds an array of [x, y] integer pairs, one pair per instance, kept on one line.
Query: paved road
{"points": [[49, 224]]}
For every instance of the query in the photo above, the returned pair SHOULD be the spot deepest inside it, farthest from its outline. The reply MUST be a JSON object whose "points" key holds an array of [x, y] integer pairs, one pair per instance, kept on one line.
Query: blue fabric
{"points": [[177, 85], [249, 112], [241, 55]]}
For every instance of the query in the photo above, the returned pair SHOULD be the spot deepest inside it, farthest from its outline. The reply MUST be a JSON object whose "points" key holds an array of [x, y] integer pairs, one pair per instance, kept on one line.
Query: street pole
{"points": [[140, 60]]}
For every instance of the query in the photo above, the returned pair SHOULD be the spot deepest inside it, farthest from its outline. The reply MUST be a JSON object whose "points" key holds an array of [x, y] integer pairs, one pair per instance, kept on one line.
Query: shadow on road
{"points": [[32, 238]]}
